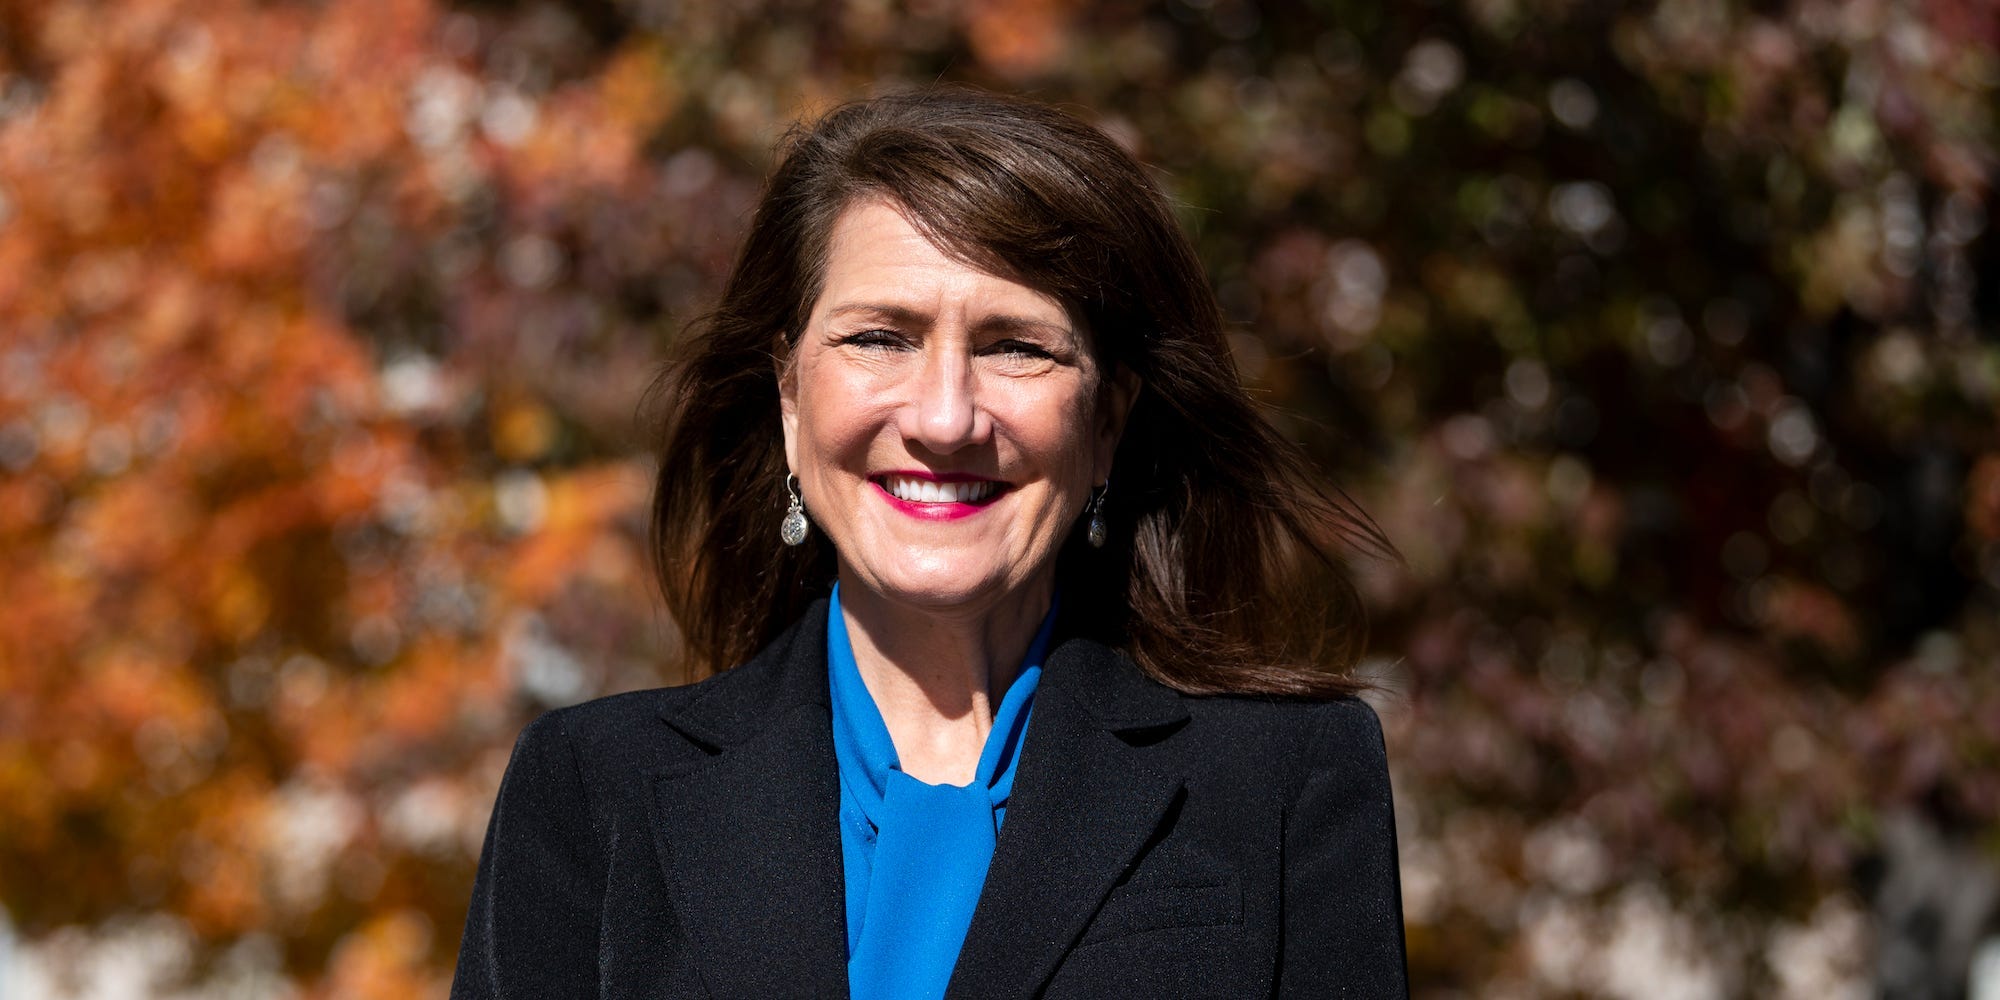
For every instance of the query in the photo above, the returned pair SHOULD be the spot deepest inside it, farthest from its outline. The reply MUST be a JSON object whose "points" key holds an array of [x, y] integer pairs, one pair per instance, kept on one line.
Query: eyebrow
{"points": [[903, 315]]}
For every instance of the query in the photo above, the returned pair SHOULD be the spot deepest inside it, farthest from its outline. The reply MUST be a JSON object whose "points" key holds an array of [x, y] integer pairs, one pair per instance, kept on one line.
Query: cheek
{"points": [[837, 413], [1059, 433]]}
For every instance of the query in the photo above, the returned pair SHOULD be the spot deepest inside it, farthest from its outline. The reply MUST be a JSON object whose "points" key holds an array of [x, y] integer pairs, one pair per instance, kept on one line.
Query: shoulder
{"points": [[1311, 729], [1281, 745], [596, 740], [610, 717], [1263, 739], [666, 727], [626, 712], [1310, 755], [1338, 718]]}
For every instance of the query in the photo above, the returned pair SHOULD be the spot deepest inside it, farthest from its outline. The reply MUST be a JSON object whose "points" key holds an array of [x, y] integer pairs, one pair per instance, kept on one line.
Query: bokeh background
{"points": [[1662, 339]]}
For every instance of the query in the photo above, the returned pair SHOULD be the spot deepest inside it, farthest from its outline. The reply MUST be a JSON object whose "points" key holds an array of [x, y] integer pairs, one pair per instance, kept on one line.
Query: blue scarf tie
{"points": [[915, 854]]}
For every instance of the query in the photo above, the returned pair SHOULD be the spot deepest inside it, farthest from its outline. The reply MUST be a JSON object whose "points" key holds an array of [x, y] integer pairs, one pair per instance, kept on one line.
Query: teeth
{"points": [[916, 490]]}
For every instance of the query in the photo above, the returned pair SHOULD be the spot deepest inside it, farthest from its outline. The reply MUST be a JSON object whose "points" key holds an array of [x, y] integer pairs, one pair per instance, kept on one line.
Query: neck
{"points": [[937, 678]]}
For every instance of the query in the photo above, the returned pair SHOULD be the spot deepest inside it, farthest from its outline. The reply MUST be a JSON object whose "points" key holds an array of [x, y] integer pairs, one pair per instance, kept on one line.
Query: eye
{"points": [[873, 339], [1020, 349]]}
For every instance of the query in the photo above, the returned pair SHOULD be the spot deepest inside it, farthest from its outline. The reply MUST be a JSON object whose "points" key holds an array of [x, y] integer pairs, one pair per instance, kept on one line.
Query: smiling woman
{"points": [[1029, 631], [945, 424]]}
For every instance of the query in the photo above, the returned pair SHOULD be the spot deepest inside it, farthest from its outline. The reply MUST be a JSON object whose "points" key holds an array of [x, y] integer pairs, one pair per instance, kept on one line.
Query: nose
{"points": [[943, 412]]}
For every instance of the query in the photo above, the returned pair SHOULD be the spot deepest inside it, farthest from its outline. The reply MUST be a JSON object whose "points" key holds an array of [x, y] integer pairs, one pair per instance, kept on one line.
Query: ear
{"points": [[1114, 405], [788, 402]]}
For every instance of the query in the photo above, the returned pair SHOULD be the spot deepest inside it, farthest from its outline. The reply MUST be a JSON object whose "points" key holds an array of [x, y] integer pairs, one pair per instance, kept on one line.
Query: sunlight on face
{"points": [[946, 424]]}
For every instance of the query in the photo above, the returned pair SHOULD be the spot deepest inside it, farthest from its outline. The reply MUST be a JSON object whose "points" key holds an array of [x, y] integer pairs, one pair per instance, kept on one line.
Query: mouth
{"points": [[932, 495], [911, 489]]}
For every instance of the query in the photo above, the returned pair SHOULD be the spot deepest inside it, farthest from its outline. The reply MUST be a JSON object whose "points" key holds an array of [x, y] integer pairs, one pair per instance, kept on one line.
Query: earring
{"points": [[1095, 533], [793, 530]]}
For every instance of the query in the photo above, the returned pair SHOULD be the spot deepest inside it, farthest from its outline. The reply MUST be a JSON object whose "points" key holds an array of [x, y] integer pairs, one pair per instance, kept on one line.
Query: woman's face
{"points": [[946, 424]]}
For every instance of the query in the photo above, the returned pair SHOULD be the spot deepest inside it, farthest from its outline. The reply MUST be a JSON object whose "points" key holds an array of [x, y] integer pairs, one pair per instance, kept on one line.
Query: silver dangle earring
{"points": [[793, 530], [1095, 533]]}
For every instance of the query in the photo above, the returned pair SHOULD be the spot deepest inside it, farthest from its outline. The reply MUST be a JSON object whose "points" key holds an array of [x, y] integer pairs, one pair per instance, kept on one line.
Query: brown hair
{"points": [[1221, 573]]}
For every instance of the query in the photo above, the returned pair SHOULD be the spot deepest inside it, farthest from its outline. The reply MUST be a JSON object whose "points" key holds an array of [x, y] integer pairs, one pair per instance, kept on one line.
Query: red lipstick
{"points": [[943, 504]]}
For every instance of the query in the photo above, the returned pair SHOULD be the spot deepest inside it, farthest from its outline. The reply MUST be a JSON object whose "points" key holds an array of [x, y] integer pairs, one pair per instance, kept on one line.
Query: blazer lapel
{"points": [[750, 837], [1087, 796]]}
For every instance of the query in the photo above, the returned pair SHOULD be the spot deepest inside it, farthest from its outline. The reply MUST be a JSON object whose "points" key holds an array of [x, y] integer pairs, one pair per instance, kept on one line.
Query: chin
{"points": [[935, 582], [941, 592]]}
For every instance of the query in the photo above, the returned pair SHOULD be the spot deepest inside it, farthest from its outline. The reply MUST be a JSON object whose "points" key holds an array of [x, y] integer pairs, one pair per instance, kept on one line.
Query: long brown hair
{"points": [[1222, 572]]}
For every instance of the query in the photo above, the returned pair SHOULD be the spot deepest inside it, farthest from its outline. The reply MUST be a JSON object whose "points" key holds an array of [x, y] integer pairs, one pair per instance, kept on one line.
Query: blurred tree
{"points": [[1665, 340]]}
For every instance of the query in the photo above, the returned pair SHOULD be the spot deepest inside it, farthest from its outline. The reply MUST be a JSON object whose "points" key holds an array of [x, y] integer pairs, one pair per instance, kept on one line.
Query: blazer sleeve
{"points": [[1343, 911], [532, 928]]}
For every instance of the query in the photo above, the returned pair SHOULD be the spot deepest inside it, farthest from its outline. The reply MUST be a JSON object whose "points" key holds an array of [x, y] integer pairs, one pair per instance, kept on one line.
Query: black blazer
{"points": [[683, 842]]}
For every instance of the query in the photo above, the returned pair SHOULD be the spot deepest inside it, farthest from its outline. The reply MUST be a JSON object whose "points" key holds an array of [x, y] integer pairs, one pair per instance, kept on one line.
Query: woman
{"points": [[1022, 592]]}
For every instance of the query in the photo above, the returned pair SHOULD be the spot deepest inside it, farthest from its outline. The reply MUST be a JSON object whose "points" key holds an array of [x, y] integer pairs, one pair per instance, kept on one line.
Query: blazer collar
{"points": [[1111, 687], [735, 705], [1095, 780], [791, 672], [750, 838]]}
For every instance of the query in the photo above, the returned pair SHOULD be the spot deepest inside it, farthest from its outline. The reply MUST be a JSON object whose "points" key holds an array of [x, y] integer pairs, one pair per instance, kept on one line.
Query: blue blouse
{"points": [[915, 854]]}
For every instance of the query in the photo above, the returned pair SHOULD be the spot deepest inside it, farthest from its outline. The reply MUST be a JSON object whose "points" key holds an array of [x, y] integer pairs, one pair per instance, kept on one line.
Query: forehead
{"points": [[875, 256]]}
